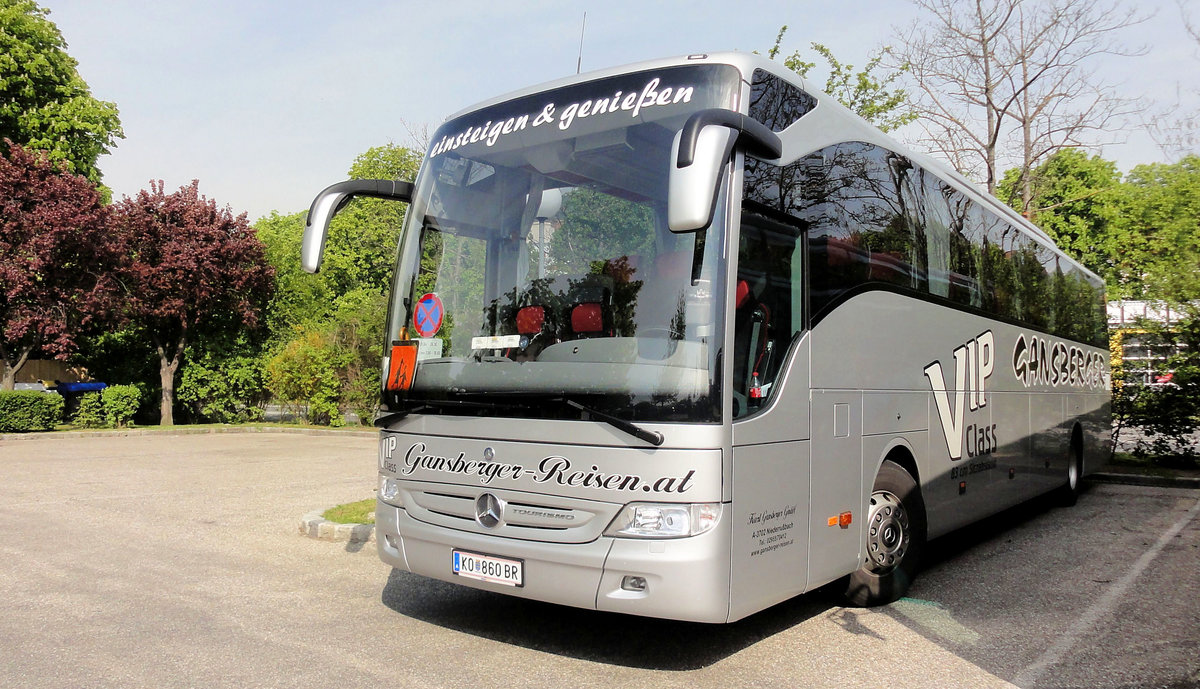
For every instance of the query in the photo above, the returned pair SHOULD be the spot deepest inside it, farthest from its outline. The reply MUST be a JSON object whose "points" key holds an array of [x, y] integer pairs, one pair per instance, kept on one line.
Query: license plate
{"points": [[497, 570]]}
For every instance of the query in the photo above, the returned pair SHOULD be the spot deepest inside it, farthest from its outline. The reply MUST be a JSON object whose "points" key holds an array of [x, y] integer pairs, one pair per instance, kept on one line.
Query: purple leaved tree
{"points": [[58, 264], [193, 266]]}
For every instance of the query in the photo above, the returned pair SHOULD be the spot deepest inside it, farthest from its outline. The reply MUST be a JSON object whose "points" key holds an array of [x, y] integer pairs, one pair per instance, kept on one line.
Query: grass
{"points": [[1149, 466], [361, 512]]}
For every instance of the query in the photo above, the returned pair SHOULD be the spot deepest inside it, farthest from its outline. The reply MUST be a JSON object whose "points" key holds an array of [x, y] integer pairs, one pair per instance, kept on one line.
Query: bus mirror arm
{"points": [[331, 200], [756, 137], [385, 419]]}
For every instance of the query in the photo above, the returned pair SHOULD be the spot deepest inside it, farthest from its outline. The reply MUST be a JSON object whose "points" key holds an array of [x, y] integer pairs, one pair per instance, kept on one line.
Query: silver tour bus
{"points": [[688, 338]]}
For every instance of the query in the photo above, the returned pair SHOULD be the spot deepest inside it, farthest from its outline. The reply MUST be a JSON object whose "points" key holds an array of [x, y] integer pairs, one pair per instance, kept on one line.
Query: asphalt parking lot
{"points": [[174, 561]]}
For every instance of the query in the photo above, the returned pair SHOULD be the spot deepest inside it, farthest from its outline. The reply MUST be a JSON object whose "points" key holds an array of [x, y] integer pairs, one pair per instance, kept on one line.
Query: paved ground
{"points": [[173, 561]]}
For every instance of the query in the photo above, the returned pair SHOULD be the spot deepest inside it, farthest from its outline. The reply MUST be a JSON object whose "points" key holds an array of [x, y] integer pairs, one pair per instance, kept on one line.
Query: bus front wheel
{"points": [[895, 537]]}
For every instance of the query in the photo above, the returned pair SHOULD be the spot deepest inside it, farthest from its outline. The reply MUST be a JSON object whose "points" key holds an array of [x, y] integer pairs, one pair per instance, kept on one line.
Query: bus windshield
{"points": [[536, 272]]}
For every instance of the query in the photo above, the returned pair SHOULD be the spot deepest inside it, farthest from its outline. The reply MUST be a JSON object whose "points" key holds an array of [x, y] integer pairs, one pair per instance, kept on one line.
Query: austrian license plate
{"points": [[497, 570]]}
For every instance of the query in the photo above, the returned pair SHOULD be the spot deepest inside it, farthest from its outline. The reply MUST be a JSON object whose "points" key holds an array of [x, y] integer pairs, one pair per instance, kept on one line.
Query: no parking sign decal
{"points": [[429, 315]]}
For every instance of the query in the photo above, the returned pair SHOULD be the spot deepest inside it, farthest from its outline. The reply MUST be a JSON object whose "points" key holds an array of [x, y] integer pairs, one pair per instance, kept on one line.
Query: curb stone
{"points": [[128, 432], [1145, 480], [315, 526]]}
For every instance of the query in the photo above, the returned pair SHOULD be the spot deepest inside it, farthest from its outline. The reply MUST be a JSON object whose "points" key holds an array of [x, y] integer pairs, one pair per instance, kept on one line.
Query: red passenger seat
{"points": [[587, 319], [530, 320]]}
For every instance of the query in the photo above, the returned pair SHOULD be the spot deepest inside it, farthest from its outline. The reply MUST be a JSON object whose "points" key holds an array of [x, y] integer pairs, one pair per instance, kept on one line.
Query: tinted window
{"points": [[874, 218], [775, 102], [859, 204]]}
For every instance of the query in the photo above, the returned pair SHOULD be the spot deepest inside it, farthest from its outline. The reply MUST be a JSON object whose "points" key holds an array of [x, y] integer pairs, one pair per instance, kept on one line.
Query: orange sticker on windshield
{"points": [[402, 366]]}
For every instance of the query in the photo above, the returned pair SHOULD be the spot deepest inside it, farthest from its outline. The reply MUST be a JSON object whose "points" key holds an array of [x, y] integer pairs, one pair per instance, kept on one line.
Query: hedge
{"points": [[113, 407], [120, 404], [91, 411], [27, 410]]}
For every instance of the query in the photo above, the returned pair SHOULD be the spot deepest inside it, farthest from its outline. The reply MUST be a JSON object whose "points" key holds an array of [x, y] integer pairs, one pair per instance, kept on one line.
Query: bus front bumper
{"points": [[681, 579]]}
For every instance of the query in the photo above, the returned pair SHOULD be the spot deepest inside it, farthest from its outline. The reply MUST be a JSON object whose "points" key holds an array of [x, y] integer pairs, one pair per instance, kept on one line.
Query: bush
{"points": [[91, 411], [362, 396], [120, 404], [223, 389], [1165, 415], [305, 372], [25, 410]]}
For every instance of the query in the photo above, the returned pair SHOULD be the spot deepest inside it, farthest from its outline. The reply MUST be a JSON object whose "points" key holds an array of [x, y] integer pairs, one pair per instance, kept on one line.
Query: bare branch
{"points": [[1017, 79]]}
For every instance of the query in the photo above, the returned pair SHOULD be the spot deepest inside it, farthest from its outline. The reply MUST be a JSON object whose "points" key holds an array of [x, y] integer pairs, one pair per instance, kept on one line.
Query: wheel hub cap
{"points": [[888, 535]]}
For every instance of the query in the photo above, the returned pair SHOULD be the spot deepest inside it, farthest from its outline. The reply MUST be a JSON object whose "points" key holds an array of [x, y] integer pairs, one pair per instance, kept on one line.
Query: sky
{"points": [[267, 103]]}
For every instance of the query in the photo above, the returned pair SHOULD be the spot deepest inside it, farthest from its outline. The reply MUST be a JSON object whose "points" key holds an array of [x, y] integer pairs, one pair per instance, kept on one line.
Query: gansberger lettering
{"points": [[416, 458], [1040, 361], [552, 470]]}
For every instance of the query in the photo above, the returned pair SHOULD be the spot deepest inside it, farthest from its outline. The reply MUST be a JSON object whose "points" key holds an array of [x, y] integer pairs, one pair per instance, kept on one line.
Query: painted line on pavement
{"points": [[1103, 606]]}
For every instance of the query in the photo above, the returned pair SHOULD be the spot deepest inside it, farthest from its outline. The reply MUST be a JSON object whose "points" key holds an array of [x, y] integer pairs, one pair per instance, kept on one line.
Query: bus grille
{"points": [[527, 516]]}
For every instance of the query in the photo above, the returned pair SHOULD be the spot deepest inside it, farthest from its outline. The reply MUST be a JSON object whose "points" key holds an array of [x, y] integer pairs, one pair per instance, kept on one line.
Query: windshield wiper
{"points": [[653, 437], [385, 419]]}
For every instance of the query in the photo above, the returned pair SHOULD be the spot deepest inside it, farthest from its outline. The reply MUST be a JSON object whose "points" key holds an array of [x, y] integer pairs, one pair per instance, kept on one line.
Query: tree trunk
{"points": [[12, 367], [168, 364], [166, 372]]}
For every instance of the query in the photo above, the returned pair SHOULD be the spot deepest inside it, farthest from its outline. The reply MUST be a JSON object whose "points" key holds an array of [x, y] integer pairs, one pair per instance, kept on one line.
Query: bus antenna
{"points": [[579, 62]]}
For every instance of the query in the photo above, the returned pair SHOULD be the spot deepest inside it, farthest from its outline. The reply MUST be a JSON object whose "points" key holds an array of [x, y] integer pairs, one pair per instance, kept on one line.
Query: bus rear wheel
{"points": [[895, 537], [1068, 494]]}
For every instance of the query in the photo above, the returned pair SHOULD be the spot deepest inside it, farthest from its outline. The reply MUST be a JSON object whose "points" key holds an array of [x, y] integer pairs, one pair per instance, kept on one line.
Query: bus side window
{"points": [[766, 307]]}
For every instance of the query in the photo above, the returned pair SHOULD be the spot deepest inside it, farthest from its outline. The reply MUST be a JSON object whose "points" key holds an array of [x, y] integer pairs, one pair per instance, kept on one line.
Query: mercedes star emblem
{"points": [[489, 510]]}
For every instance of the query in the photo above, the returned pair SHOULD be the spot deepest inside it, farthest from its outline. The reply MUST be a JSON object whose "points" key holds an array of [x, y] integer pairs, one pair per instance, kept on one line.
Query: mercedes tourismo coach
{"points": [[688, 338]]}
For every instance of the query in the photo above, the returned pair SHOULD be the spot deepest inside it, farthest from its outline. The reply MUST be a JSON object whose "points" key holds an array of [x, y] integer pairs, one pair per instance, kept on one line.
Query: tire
{"points": [[895, 539], [1068, 494]]}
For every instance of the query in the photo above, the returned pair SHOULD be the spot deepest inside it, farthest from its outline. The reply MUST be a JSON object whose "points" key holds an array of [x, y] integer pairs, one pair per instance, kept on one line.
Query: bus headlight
{"points": [[389, 490], [664, 520]]}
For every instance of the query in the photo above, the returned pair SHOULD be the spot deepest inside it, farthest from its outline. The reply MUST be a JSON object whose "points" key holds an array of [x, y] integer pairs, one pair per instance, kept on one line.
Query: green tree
{"points": [[870, 92], [597, 226], [298, 297], [223, 379], [327, 329], [361, 248], [303, 372], [1162, 257], [359, 253], [1079, 200], [1167, 412], [356, 331], [44, 103]]}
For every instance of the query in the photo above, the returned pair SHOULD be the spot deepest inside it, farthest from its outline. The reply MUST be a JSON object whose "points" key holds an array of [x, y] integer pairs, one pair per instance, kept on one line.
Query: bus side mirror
{"points": [[699, 152], [692, 189], [331, 200]]}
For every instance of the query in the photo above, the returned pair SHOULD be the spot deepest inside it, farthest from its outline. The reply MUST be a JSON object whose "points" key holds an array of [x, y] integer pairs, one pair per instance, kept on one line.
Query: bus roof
{"points": [[829, 122]]}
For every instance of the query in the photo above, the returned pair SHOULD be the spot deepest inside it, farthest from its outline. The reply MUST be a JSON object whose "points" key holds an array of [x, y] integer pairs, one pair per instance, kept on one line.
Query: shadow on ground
{"points": [[644, 642], [600, 637]]}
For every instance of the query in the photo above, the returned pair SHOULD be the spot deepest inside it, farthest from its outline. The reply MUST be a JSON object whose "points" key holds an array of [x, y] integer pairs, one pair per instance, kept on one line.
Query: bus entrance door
{"points": [[835, 485]]}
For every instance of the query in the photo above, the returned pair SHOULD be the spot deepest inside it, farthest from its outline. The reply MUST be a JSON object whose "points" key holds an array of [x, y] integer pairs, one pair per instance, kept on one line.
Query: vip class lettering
{"points": [[974, 362], [981, 440]]}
